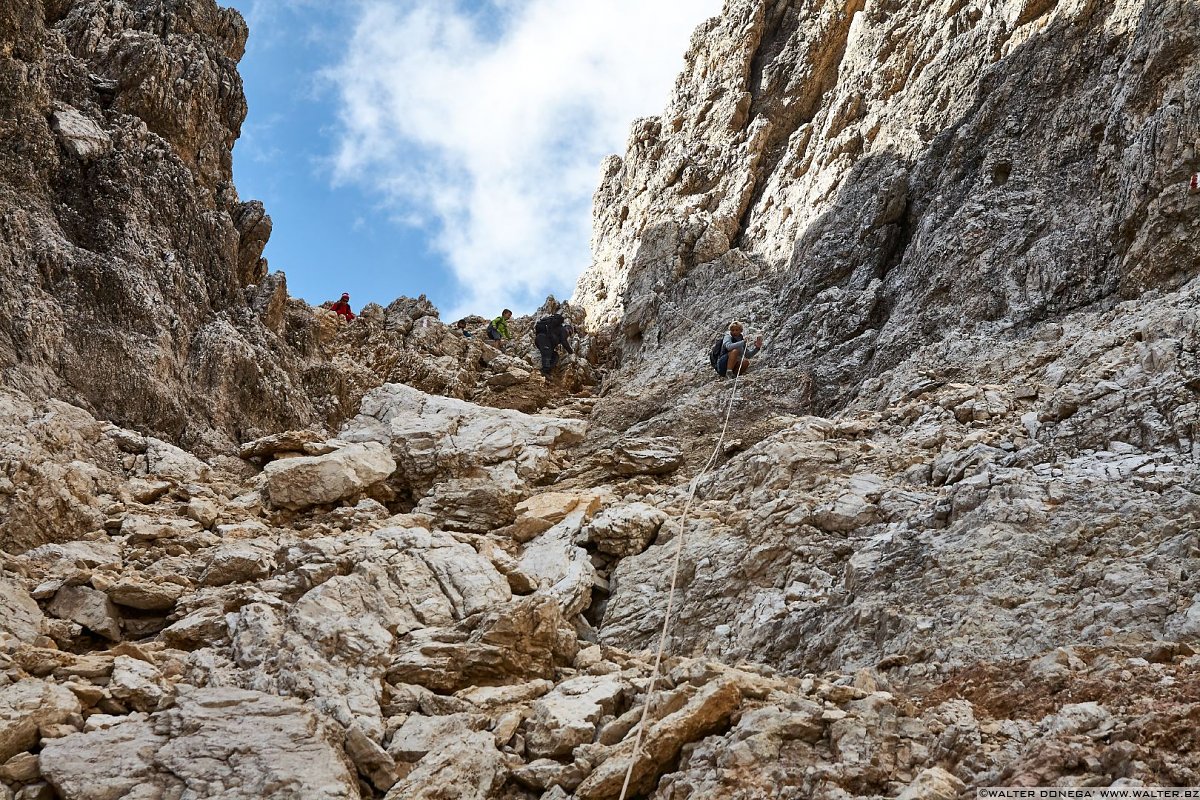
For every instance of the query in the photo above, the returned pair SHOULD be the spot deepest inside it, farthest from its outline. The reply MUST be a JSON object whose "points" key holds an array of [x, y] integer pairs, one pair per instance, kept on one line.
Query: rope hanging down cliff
{"points": [[679, 536]]}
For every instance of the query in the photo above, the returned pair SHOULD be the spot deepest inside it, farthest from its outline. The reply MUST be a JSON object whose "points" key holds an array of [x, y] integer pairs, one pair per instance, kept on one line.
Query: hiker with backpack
{"points": [[550, 332], [497, 329], [731, 352]]}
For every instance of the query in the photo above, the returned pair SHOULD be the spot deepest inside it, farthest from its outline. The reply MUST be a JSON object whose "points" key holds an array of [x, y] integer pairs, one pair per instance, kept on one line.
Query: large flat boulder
{"points": [[305, 481], [435, 439], [526, 639], [146, 595], [421, 735], [62, 559], [215, 742], [90, 608], [542, 511], [654, 455], [567, 717], [465, 767], [625, 530]]}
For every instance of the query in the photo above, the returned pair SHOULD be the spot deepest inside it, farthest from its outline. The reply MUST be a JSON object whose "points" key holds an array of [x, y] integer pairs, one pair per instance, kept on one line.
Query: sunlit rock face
{"points": [[860, 178], [131, 271], [947, 540]]}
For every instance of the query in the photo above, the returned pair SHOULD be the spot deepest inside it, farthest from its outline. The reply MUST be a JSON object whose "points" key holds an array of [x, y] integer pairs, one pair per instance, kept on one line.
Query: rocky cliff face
{"points": [[861, 178], [132, 276], [950, 540], [131, 271], [909, 201], [1000, 495]]}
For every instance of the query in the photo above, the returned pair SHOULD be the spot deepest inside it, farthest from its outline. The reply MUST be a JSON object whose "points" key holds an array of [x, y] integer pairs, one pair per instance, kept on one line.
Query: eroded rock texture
{"points": [[208, 643], [128, 259], [999, 495], [131, 272], [948, 542], [859, 178]]}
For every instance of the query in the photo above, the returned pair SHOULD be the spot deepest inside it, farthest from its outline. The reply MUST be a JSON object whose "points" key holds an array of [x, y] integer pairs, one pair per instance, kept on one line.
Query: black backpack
{"points": [[548, 324], [718, 350]]}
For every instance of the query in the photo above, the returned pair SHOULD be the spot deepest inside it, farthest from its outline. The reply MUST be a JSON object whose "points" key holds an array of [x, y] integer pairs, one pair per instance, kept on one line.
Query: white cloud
{"points": [[264, 18], [487, 123]]}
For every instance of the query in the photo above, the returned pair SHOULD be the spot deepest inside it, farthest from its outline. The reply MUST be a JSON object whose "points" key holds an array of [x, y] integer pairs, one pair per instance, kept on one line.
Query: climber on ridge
{"points": [[342, 308], [462, 327], [549, 333], [497, 329], [735, 354]]}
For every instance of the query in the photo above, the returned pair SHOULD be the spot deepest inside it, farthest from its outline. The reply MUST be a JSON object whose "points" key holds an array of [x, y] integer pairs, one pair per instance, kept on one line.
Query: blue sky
{"points": [[444, 147]]}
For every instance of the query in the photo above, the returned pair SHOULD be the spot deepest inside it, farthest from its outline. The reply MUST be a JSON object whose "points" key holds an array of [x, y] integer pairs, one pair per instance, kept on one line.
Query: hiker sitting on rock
{"points": [[735, 354], [462, 326], [549, 333], [342, 308], [497, 329]]}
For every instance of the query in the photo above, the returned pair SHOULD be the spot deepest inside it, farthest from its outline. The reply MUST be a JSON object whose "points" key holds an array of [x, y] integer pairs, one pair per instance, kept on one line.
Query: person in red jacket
{"points": [[342, 307]]}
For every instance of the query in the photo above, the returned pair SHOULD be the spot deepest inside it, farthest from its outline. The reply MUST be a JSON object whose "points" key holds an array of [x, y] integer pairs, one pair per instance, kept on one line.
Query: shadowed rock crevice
{"points": [[788, 99]]}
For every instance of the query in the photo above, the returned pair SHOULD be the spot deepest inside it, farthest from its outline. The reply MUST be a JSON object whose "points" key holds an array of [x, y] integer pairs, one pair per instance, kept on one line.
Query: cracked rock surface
{"points": [[949, 540]]}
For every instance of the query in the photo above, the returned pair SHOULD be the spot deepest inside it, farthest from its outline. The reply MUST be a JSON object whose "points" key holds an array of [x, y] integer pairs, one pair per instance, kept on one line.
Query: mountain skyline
{"points": [[445, 149]]}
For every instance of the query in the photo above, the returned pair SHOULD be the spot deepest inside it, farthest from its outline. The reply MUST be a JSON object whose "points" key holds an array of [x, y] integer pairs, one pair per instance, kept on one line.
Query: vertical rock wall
{"points": [[130, 271], [863, 176]]}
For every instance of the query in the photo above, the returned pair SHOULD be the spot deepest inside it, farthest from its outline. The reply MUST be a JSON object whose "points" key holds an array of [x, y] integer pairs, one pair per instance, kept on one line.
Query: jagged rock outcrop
{"points": [[466, 465], [976, 567], [213, 742], [63, 473], [408, 343], [860, 178], [128, 257], [132, 277], [315, 480]]}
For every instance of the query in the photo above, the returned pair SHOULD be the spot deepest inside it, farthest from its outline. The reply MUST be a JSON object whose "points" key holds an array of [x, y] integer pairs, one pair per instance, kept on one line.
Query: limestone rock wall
{"points": [[1003, 494], [131, 272], [963, 228], [858, 177]]}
